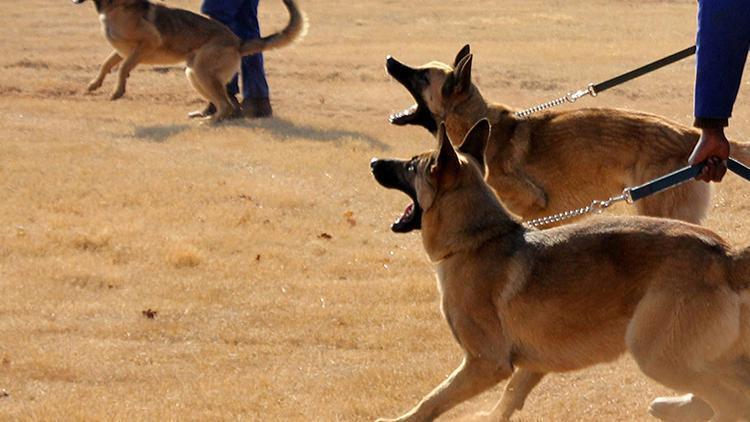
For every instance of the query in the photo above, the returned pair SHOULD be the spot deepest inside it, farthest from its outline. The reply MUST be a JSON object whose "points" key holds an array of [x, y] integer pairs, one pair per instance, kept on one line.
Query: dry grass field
{"points": [[155, 269]]}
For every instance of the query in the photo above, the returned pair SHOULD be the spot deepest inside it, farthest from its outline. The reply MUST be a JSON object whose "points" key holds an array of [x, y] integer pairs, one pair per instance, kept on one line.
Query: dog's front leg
{"points": [[514, 396], [127, 66], [107, 66], [471, 378], [519, 193], [537, 195]]}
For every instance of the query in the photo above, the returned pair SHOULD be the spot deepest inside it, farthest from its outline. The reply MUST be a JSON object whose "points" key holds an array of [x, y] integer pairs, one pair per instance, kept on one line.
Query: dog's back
{"points": [[183, 31]]}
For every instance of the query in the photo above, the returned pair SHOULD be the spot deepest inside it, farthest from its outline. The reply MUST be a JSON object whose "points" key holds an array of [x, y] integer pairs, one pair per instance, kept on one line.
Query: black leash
{"points": [[738, 168], [658, 64], [631, 195], [681, 176], [594, 89]]}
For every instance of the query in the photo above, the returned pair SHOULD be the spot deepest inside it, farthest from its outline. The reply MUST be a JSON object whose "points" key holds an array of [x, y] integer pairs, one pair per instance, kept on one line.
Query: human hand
{"points": [[713, 148]]}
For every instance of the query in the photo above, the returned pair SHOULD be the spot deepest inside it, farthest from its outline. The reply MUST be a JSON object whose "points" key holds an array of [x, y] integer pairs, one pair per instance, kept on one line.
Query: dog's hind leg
{"points": [[212, 68], [111, 61], [734, 381], [195, 83], [682, 338], [217, 93], [514, 396], [729, 403], [474, 376]]}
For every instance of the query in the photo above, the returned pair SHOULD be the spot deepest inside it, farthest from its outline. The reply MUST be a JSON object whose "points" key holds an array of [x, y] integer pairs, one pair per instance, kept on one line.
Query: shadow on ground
{"points": [[289, 129], [282, 127], [158, 133]]}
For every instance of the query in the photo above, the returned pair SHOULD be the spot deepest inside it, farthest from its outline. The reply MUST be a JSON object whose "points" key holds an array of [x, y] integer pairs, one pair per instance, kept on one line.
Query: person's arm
{"points": [[723, 40]]}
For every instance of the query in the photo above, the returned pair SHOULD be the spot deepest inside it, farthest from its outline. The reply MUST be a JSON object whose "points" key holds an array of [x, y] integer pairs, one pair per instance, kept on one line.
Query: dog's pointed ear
{"points": [[445, 169], [475, 142], [461, 54], [459, 80], [462, 73]]}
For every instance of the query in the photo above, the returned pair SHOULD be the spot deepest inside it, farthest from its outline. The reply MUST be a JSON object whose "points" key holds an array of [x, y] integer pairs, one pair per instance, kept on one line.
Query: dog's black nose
{"points": [[373, 163]]}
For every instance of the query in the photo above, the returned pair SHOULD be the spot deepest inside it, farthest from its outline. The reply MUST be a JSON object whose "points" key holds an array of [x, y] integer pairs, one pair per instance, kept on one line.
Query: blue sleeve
{"points": [[723, 40]]}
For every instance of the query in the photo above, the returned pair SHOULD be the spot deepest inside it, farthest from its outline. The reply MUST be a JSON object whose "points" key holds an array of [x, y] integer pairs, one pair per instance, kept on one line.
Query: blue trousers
{"points": [[241, 16]]}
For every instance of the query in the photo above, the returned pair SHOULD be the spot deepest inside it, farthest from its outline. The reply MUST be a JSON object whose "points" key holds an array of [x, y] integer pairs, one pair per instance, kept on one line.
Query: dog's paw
{"points": [[117, 94], [94, 85], [405, 418], [210, 121], [486, 416]]}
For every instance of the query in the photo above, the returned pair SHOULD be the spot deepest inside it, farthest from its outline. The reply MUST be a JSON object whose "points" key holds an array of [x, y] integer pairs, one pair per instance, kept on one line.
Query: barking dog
{"points": [[144, 32], [522, 302], [558, 160]]}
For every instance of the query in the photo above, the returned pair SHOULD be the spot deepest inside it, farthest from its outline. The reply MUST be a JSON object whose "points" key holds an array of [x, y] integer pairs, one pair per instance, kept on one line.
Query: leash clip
{"points": [[598, 207], [572, 97]]}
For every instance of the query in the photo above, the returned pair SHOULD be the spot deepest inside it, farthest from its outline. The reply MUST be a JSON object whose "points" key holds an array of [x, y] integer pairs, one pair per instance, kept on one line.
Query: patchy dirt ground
{"points": [[154, 269]]}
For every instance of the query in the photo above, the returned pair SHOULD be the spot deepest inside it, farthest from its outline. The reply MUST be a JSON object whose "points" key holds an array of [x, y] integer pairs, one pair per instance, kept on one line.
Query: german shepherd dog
{"points": [[555, 161], [144, 32], [523, 302]]}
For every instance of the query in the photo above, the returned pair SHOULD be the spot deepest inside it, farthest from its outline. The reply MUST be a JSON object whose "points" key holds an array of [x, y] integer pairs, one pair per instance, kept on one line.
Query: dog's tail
{"points": [[740, 151], [295, 29]]}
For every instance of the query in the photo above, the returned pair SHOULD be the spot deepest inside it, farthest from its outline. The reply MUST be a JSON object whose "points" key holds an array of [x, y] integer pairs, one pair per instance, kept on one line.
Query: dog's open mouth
{"points": [[392, 174], [404, 116], [410, 220], [417, 114]]}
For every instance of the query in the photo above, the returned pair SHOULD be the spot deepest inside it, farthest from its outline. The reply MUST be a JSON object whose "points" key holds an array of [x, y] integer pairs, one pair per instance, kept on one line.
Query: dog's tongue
{"points": [[405, 116], [404, 220]]}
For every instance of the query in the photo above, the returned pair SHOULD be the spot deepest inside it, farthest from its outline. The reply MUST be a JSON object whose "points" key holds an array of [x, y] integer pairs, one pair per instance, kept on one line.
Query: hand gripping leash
{"points": [[633, 194], [594, 89]]}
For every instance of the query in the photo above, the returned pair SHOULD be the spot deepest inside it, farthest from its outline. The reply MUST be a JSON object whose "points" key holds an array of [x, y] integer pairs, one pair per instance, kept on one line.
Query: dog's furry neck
{"points": [[458, 120], [465, 218]]}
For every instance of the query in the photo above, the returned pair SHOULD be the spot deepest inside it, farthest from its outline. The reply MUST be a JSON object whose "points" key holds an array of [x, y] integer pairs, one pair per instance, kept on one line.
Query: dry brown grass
{"points": [[112, 210]]}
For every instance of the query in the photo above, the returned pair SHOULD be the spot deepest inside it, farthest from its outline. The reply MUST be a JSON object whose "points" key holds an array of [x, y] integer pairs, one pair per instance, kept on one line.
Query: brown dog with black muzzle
{"points": [[555, 161], [144, 32], [523, 302]]}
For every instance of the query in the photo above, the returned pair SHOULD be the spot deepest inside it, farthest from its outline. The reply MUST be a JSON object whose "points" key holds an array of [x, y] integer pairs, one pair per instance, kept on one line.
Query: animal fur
{"points": [[523, 302], [144, 32], [556, 161]]}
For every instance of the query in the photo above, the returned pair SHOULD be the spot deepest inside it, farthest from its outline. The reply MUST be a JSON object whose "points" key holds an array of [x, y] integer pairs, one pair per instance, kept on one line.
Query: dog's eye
{"points": [[410, 168]]}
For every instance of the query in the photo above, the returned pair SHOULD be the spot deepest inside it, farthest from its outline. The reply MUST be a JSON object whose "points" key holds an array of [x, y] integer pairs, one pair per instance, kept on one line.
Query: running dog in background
{"points": [[523, 302], [555, 161], [144, 32]]}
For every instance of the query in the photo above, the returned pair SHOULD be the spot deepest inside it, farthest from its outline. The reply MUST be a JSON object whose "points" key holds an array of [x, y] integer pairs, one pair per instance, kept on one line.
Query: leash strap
{"points": [[681, 176], [658, 64], [738, 168], [665, 182], [630, 195], [593, 90]]}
